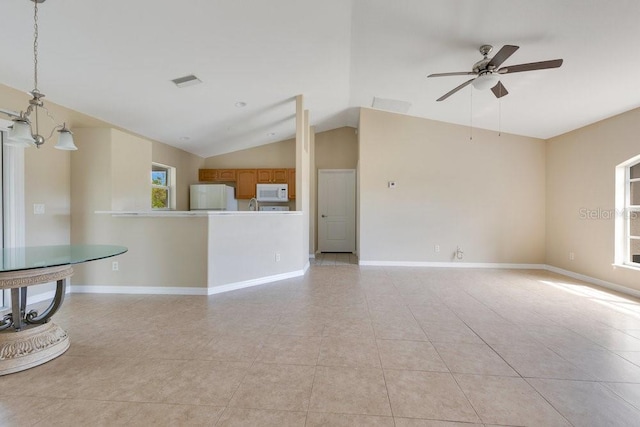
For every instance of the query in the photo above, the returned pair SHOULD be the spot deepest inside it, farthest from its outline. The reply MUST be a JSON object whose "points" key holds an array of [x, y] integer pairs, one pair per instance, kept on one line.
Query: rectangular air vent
{"points": [[185, 81], [392, 105]]}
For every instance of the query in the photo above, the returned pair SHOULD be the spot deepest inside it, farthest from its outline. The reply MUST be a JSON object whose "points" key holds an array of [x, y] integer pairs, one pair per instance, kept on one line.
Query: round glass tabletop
{"points": [[30, 257]]}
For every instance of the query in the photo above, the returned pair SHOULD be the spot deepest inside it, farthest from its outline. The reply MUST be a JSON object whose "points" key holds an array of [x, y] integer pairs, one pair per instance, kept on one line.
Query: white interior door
{"points": [[336, 210]]}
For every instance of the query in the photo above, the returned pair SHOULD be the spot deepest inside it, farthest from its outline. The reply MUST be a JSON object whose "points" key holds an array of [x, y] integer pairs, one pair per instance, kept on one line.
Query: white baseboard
{"points": [[453, 264], [44, 296], [158, 290], [162, 290], [256, 282], [578, 276], [594, 281]]}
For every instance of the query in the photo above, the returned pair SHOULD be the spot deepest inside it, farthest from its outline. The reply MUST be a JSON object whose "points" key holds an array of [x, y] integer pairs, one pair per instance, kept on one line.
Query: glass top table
{"points": [[26, 258], [28, 338]]}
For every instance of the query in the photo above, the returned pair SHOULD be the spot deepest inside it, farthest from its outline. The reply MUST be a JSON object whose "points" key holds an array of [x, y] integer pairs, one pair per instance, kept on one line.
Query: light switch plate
{"points": [[38, 209], [392, 184]]}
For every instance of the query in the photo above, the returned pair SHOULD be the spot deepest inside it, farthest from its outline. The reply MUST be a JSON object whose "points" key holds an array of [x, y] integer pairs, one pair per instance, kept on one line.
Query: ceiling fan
{"points": [[487, 74]]}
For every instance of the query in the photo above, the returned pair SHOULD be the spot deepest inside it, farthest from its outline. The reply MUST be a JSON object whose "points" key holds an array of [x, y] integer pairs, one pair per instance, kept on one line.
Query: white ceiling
{"points": [[114, 59]]}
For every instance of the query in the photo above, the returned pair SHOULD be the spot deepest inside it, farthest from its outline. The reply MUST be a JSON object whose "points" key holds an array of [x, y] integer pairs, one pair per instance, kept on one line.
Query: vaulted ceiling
{"points": [[115, 60]]}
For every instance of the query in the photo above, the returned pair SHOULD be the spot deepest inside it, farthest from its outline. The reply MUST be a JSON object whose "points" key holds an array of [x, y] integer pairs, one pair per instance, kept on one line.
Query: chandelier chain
{"points": [[35, 47]]}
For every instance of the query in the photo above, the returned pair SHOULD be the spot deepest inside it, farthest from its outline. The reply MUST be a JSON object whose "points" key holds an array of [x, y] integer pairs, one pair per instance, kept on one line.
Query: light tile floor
{"points": [[345, 346], [334, 258]]}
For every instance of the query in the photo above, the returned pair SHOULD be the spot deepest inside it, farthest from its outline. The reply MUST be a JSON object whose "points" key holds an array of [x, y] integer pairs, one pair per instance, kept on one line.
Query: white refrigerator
{"points": [[212, 197]]}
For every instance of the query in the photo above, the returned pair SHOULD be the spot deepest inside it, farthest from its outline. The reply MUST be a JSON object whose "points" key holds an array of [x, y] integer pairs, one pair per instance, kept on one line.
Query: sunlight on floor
{"points": [[619, 303]]}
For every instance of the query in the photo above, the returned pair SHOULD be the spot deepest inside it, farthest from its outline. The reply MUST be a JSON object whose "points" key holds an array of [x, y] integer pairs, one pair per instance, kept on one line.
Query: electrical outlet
{"points": [[572, 256], [277, 256], [436, 248], [115, 266]]}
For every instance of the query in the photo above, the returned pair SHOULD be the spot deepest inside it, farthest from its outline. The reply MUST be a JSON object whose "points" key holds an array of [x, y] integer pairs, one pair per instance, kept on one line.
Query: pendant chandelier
{"points": [[25, 130]]}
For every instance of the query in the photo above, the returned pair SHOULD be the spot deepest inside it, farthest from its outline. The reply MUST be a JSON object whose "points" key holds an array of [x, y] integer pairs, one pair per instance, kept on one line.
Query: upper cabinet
{"points": [[217, 175], [291, 177], [246, 179], [267, 176], [245, 183]]}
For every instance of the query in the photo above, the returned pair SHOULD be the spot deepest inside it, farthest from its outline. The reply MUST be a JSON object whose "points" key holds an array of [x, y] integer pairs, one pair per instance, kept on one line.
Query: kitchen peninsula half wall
{"points": [[170, 252], [195, 253]]}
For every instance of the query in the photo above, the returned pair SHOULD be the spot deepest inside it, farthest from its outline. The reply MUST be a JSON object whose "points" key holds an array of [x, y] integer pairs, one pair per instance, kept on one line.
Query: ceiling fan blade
{"points": [[499, 90], [502, 55], [451, 92], [543, 65], [461, 73]]}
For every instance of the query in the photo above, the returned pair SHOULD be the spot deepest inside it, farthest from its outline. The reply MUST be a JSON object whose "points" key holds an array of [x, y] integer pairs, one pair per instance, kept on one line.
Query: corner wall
{"points": [[581, 177], [486, 195]]}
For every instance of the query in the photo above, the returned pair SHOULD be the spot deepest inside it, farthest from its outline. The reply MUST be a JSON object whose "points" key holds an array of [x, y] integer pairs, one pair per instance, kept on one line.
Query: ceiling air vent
{"points": [[185, 81], [392, 105]]}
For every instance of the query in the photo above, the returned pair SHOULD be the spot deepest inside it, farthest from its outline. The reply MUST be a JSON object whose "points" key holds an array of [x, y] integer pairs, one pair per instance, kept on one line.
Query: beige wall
{"points": [[337, 149], [47, 173], [243, 248], [110, 171], [581, 175], [485, 195], [186, 165], [130, 172], [333, 149]]}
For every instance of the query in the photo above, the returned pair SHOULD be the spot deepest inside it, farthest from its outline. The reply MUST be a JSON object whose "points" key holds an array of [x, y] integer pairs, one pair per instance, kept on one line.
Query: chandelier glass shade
{"points": [[25, 130]]}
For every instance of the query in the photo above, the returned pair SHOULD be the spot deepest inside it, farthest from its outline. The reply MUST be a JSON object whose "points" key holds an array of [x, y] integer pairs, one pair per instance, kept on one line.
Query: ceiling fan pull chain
{"points": [[471, 117], [500, 114]]}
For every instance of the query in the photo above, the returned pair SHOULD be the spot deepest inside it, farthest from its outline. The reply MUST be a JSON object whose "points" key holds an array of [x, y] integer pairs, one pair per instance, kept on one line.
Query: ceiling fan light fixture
{"points": [[486, 81]]}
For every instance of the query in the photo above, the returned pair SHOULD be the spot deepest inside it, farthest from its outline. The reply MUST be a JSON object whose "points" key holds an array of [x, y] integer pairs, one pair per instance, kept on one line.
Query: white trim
{"points": [[453, 264], [14, 210], [256, 282], [156, 290], [44, 296], [169, 213], [137, 290], [594, 281], [578, 276], [161, 290], [630, 267]]}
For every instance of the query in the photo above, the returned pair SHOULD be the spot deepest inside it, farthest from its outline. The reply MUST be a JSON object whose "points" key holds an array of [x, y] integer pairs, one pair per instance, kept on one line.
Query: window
{"points": [[162, 186], [628, 213], [632, 214]]}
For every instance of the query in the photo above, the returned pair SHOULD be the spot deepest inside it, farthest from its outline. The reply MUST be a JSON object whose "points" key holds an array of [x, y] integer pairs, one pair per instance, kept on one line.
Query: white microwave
{"points": [[272, 192]]}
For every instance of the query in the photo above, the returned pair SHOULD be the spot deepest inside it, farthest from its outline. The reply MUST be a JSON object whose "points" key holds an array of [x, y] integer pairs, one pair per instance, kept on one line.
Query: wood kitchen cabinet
{"points": [[269, 176], [217, 175], [246, 180], [291, 180]]}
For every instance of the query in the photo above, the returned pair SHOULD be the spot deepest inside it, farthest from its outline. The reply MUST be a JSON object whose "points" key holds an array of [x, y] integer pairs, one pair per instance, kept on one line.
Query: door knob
{"points": [[323, 216]]}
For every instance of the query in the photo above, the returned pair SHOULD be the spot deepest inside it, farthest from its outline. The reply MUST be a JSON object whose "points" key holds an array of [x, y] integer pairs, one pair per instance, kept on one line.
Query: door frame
{"points": [[355, 201]]}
